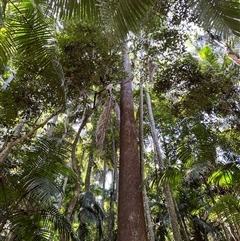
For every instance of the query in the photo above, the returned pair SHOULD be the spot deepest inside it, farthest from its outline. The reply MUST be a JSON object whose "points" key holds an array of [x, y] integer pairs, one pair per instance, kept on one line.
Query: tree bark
{"points": [[166, 187], [145, 197], [131, 221]]}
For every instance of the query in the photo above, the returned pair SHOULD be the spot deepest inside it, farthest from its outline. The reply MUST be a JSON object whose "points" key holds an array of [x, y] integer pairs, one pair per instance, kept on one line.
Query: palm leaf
{"points": [[37, 171], [222, 16], [40, 225], [31, 33], [29, 189], [28, 35], [228, 208], [226, 175]]}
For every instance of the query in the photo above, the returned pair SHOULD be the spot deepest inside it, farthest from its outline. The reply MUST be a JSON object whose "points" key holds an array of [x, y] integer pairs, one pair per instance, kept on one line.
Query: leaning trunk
{"points": [[131, 222], [166, 187], [145, 197]]}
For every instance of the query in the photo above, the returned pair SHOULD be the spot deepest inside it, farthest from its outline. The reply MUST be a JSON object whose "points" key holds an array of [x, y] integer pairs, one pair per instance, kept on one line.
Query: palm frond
{"points": [[122, 16], [221, 16], [28, 36], [40, 188], [226, 175], [227, 208], [40, 225], [31, 32], [6, 48], [130, 13], [60, 223], [103, 123], [37, 176], [173, 175], [72, 8]]}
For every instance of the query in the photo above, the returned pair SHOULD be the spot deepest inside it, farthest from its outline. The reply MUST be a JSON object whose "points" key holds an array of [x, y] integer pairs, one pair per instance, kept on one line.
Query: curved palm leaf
{"points": [[43, 224], [28, 36], [123, 16], [227, 207], [226, 175], [223, 16], [30, 184]]}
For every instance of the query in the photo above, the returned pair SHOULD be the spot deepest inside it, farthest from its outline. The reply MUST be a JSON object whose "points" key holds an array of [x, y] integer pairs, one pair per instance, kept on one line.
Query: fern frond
{"points": [[102, 123]]}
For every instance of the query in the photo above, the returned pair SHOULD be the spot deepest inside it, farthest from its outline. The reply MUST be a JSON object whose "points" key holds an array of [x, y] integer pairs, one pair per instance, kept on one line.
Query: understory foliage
{"points": [[59, 117]]}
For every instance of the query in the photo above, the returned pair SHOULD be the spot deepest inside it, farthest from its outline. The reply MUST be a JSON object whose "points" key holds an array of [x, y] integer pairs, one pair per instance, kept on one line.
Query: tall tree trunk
{"points": [[131, 221], [166, 187], [145, 197]]}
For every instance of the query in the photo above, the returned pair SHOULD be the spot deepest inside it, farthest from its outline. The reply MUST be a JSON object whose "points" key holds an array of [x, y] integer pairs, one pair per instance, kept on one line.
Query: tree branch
{"points": [[4, 153]]}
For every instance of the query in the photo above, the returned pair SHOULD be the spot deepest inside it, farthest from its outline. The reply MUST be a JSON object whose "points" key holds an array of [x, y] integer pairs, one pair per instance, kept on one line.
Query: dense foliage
{"points": [[59, 117]]}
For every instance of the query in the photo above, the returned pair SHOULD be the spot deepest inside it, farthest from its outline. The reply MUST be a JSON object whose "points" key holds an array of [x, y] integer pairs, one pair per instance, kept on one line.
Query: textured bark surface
{"points": [[131, 221]]}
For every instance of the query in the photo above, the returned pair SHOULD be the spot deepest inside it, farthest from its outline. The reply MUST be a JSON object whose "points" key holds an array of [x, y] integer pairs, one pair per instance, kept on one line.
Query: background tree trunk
{"points": [[113, 192], [131, 221], [166, 187], [145, 197], [89, 172]]}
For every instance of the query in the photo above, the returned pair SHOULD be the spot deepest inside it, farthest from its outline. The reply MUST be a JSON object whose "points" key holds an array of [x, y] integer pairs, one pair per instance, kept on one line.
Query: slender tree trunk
{"points": [[145, 197], [131, 221], [111, 219], [104, 182], [89, 172], [166, 187], [75, 167]]}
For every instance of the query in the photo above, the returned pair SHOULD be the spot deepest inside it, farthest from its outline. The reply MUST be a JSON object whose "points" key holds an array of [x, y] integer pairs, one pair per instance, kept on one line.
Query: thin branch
{"points": [[4, 153], [75, 167]]}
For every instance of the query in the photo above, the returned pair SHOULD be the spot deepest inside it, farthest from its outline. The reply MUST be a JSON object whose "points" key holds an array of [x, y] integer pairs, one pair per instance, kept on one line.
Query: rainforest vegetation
{"points": [[119, 120]]}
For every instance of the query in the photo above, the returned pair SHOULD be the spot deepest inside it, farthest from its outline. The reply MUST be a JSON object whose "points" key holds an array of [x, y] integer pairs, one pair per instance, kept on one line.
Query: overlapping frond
{"points": [[221, 16], [227, 209], [126, 15], [41, 225], [123, 16], [73, 8], [30, 184], [31, 33], [28, 39]]}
